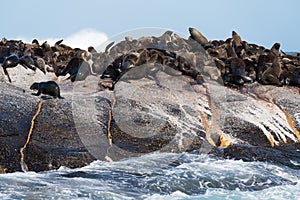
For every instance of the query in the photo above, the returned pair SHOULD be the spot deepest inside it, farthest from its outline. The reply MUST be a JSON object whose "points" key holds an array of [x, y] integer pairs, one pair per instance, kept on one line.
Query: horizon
{"points": [[262, 23]]}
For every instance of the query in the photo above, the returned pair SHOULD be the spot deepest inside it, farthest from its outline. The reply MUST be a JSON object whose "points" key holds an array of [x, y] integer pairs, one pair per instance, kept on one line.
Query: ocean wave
{"points": [[82, 39]]}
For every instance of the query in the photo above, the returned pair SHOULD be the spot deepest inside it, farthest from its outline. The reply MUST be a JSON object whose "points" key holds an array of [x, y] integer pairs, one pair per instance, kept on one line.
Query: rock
{"points": [[54, 141], [287, 155], [73, 131]]}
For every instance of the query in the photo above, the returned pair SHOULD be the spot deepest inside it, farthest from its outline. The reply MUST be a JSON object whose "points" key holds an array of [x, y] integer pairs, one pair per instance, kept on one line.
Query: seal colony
{"points": [[154, 60], [234, 62]]}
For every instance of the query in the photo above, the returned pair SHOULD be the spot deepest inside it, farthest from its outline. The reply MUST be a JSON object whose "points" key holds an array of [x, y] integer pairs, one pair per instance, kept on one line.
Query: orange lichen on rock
{"points": [[290, 121], [206, 126], [225, 139], [271, 140], [22, 162], [109, 137]]}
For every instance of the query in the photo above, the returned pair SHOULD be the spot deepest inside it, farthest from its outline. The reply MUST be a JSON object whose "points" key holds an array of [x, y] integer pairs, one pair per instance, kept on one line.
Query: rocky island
{"points": [[230, 99]]}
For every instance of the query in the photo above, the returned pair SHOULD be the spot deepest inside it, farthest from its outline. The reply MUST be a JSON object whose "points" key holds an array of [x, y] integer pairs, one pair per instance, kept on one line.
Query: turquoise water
{"points": [[157, 176]]}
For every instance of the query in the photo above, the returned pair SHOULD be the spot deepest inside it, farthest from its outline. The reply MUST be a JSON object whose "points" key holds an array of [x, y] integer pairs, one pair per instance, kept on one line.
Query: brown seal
{"points": [[291, 76], [196, 35], [272, 74], [275, 48], [237, 41], [237, 67]]}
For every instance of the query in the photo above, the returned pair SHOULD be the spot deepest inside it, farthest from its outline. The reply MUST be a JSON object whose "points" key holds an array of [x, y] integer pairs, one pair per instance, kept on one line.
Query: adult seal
{"points": [[10, 62], [237, 68], [50, 88], [197, 36], [275, 48], [237, 41], [272, 74]]}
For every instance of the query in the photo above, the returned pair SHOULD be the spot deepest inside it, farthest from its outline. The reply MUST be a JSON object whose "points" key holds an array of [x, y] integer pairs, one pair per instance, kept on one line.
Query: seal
{"points": [[166, 36], [291, 77], [266, 60], [46, 46], [109, 46], [237, 41], [272, 74], [275, 48], [4, 52], [10, 62], [92, 50], [50, 88], [36, 42], [229, 49], [196, 35], [237, 68], [27, 62], [71, 68], [40, 64]]}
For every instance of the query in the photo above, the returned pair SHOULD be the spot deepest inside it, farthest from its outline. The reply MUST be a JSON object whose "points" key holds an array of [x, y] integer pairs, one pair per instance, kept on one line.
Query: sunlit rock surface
{"points": [[257, 122]]}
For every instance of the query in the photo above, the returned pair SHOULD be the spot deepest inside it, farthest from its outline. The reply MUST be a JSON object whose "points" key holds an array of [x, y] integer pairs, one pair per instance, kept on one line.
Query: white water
{"points": [[157, 176]]}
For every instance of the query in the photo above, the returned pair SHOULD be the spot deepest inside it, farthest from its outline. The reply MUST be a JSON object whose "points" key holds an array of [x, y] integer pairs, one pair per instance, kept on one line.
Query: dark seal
{"points": [[10, 62], [50, 88]]}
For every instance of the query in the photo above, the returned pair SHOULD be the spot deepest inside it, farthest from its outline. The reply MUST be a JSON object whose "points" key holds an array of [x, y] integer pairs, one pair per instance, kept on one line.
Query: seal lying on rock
{"points": [[153, 60], [50, 88], [27, 62]]}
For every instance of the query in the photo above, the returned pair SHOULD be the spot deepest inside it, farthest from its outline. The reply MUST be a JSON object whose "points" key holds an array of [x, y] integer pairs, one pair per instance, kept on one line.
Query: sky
{"points": [[90, 22]]}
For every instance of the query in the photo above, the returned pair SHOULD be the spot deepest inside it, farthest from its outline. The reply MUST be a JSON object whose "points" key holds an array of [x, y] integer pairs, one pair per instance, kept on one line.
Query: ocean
{"points": [[157, 176]]}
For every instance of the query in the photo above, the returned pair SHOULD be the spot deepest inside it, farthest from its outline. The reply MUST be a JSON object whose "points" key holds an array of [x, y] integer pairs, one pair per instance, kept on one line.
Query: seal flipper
{"points": [[32, 67], [24, 65], [59, 42], [60, 97], [283, 52], [108, 46], [6, 73]]}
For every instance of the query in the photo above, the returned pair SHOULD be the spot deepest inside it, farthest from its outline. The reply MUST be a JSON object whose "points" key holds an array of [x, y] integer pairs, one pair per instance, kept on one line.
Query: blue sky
{"points": [[261, 22]]}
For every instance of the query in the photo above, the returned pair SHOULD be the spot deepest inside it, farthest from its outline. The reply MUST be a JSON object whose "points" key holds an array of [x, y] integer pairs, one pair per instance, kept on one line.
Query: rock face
{"points": [[73, 131], [165, 94], [54, 141]]}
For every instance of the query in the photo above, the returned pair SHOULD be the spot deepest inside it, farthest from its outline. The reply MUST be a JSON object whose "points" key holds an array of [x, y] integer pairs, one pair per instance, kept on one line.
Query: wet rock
{"points": [[288, 155]]}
